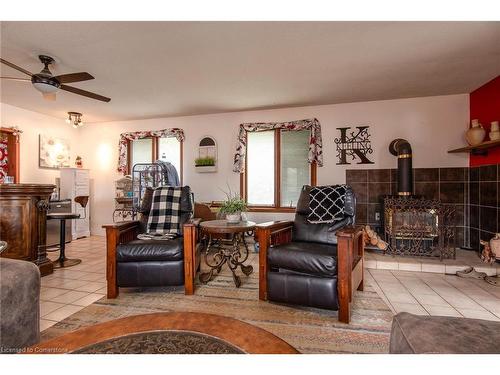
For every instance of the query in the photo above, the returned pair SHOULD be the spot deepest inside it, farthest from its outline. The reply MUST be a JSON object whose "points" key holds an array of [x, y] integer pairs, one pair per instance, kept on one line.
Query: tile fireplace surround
{"points": [[474, 192]]}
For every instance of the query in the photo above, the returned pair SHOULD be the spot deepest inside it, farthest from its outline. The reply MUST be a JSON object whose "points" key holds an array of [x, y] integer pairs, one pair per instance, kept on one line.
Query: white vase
{"points": [[233, 218], [475, 135], [494, 131]]}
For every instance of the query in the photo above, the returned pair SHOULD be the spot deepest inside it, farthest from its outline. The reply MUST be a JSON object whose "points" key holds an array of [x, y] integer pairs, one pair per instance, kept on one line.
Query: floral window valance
{"points": [[315, 142], [133, 136]]}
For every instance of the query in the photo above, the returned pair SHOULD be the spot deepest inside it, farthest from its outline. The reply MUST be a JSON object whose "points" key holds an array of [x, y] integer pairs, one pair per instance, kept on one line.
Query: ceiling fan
{"points": [[48, 84]]}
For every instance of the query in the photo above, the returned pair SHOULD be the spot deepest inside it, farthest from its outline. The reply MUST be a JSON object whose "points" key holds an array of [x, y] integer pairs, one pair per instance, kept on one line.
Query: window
{"points": [[276, 169], [147, 150], [142, 151], [295, 170], [169, 149], [260, 167]]}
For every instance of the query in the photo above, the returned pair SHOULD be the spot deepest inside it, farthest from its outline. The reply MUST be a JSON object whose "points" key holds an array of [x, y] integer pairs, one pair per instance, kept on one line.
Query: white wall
{"points": [[433, 125], [33, 124]]}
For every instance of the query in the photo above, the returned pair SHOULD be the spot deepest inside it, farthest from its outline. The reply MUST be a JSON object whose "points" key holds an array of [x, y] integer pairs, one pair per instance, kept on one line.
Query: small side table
{"points": [[63, 262], [228, 251]]}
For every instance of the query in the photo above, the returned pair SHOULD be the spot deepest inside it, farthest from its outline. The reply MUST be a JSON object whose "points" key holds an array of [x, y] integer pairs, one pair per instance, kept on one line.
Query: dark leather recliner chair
{"points": [[132, 262], [316, 265]]}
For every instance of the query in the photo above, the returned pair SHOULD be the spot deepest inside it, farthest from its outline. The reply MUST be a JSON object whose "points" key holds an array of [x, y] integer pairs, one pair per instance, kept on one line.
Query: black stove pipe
{"points": [[402, 149]]}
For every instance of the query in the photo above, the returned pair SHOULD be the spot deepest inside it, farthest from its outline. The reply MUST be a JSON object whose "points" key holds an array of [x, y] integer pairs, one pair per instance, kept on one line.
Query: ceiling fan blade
{"points": [[88, 94], [49, 96], [17, 79], [74, 77], [14, 66]]}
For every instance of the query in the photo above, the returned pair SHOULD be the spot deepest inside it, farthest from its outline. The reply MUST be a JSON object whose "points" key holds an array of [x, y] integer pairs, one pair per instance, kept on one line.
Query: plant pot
{"points": [[233, 218], [206, 168], [475, 135]]}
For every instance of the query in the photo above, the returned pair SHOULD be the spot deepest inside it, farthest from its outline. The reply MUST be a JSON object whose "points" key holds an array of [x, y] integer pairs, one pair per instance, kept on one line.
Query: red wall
{"points": [[485, 106]]}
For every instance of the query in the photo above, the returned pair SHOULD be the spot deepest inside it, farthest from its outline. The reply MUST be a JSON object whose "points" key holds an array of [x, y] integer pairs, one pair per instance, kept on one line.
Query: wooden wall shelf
{"points": [[480, 149]]}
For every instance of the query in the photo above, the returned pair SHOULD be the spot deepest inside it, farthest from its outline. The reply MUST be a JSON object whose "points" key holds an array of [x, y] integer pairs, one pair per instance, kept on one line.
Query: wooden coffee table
{"points": [[227, 250], [169, 333]]}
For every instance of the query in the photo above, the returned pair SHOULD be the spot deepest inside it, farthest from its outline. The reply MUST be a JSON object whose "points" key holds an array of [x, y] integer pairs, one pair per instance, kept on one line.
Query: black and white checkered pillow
{"points": [[164, 216], [326, 204]]}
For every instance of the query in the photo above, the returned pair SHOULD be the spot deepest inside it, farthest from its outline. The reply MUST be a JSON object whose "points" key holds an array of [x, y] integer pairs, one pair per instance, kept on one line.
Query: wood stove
{"points": [[417, 226], [414, 225]]}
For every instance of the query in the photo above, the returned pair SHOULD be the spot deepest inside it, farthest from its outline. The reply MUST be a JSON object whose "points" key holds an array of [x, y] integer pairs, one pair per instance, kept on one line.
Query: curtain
{"points": [[315, 142], [4, 158], [125, 137]]}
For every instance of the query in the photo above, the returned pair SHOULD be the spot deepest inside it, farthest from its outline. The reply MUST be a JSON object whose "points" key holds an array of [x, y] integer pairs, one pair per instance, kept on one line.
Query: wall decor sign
{"points": [[54, 152], [354, 145]]}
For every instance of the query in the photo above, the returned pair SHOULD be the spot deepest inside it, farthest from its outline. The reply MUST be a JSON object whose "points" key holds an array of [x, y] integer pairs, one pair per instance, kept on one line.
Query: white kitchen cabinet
{"points": [[76, 182]]}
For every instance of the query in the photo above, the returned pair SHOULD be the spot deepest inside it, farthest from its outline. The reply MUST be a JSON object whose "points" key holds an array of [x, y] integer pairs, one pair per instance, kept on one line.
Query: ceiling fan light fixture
{"points": [[46, 83], [45, 88]]}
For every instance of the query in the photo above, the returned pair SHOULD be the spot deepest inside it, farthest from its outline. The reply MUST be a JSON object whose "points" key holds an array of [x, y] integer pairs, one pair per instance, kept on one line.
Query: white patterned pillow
{"points": [[326, 204]]}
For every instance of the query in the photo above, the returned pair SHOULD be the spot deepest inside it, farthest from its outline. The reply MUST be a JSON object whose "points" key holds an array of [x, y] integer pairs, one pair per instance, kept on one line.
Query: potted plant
{"points": [[205, 164], [232, 207]]}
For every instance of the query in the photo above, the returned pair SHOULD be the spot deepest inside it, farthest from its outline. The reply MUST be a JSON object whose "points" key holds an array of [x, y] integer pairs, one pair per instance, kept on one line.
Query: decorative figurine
{"points": [[78, 162], [495, 245], [487, 255], [494, 131]]}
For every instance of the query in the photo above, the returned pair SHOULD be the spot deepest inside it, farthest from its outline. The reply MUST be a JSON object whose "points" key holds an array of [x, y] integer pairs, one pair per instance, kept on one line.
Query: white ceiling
{"points": [[161, 69]]}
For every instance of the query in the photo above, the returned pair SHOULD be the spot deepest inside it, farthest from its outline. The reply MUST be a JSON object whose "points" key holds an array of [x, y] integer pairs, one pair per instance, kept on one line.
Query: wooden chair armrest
{"points": [[117, 233], [274, 225], [350, 267], [349, 231], [122, 225], [270, 233], [191, 240]]}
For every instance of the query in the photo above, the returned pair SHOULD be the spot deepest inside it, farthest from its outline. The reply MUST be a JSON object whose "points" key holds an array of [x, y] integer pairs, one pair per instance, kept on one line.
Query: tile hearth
{"points": [[464, 259], [69, 290]]}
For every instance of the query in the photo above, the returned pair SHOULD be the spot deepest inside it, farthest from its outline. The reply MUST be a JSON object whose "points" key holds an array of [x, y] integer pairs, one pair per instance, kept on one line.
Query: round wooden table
{"points": [[227, 251], [170, 333]]}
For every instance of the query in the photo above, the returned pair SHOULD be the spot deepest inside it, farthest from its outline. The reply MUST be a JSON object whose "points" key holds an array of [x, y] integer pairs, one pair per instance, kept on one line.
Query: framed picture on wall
{"points": [[54, 152]]}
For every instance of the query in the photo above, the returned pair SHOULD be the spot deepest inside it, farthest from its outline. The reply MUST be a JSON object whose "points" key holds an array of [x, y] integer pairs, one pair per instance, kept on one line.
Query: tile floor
{"points": [[427, 293], [69, 290]]}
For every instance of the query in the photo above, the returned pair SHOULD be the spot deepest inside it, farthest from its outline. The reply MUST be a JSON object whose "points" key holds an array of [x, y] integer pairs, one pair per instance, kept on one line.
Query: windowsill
{"points": [[272, 209]]}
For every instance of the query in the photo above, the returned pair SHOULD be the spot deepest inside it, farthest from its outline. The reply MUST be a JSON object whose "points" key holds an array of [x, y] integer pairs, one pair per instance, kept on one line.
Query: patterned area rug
{"points": [[309, 330], [163, 342]]}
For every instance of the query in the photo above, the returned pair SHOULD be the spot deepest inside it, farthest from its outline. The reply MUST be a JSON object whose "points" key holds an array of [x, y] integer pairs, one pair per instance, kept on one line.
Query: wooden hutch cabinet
{"points": [[23, 218]]}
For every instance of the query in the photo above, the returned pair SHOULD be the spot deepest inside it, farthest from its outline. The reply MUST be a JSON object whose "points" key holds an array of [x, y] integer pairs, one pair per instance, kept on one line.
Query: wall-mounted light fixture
{"points": [[75, 118]]}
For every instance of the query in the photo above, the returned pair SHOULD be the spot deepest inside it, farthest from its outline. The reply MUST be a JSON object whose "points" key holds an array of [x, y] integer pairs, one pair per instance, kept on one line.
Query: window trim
{"points": [[277, 179], [155, 155]]}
